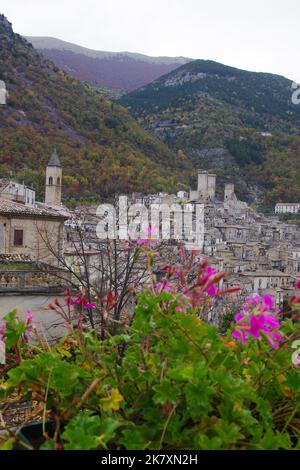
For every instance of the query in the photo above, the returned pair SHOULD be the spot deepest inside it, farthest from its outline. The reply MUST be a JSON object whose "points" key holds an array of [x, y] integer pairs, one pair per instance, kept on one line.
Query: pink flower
{"points": [[164, 286], [268, 302], [298, 284], [258, 319], [260, 304], [191, 294], [29, 317], [209, 273], [212, 291], [78, 299], [180, 308], [89, 305]]}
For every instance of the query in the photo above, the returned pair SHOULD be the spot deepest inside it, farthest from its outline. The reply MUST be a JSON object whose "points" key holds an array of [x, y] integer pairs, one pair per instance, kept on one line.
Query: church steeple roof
{"points": [[54, 160]]}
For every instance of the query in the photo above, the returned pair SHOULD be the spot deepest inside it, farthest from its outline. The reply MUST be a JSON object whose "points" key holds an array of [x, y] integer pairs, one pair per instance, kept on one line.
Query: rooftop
{"points": [[258, 273], [4, 182], [11, 208], [238, 227], [54, 159]]}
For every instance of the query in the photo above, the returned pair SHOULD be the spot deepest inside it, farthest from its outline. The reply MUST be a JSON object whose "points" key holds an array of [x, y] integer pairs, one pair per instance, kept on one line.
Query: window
{"points": [[58, 181], [50, 180], [18, 238]]}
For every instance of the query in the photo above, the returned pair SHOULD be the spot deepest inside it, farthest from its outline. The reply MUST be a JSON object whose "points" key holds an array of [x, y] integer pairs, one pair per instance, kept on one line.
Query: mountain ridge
{"points": [[122, 71], [49, 42]]}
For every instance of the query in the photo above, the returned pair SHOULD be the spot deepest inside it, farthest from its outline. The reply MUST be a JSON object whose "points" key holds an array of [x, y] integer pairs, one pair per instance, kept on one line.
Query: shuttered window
{"points": [[18, 238]]}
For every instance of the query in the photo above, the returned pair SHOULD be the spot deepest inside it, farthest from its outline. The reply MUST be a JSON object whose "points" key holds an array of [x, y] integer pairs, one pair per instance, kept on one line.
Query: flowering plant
{"points": [[76, 307], [259, 319], [193, 285], [170, 380]]}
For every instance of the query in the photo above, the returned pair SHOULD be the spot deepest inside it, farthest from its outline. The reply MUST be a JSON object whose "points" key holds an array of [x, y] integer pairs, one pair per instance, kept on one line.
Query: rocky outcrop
{"points": [[4, 22]]}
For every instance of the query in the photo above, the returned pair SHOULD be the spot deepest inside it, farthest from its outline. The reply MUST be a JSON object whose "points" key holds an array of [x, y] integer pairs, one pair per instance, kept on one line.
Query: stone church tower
{"points": [[53, 180]]}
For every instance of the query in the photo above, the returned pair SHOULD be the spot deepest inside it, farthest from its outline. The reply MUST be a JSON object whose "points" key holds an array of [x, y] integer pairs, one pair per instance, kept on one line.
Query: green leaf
{"points": [[7, 444], [273, 441], [205, 443], [48, 445], [198, 399], [228, 432], [87, 432], [132, 439], [166, 392]]}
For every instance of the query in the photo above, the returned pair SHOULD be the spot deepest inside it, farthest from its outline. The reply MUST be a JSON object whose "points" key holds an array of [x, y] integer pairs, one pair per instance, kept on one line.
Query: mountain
{"points": [[103, 150], [241, 125], [117, 71]]}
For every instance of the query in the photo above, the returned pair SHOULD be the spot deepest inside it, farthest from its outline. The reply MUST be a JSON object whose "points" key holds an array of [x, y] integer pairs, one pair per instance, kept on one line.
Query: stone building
{"points": [[206, 188], [259, 253], [30, 228], [286, 208], [16, 192], [31, 248], [53, 181], [32, 231]]}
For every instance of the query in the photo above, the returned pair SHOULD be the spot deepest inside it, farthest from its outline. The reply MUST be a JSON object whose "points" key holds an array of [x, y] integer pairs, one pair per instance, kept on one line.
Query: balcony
{"points": [[31, 278]]}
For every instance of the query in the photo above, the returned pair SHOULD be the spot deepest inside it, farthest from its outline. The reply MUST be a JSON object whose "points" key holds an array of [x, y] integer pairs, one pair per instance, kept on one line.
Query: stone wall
{"points": [[40, 238]]}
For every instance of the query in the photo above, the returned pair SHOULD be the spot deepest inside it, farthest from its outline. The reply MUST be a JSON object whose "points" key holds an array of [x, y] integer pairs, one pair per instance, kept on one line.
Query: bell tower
{"points": [[53, 180]]}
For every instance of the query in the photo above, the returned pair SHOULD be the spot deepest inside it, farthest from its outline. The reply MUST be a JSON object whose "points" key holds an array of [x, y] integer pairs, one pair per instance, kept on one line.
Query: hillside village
{"points": [[260, 254], [149, 230]]}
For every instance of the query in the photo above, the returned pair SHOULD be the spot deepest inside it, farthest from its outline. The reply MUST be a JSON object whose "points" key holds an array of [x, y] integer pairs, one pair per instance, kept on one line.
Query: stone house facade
{"points": [[31, 228], [32, 231]]}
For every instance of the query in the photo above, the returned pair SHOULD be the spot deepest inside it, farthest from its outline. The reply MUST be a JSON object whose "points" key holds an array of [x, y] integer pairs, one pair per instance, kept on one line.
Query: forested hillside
{"points": [[103, 150], [240, 124]]}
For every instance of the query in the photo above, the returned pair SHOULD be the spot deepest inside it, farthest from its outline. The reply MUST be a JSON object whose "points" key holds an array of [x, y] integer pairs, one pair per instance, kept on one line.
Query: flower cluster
{"points": [[258, 319], [194, 282], [78, 299], [73, 308]]}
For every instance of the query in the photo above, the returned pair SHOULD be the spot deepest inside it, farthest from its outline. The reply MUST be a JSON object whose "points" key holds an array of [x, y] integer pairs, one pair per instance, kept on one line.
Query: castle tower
{"points": [[53, 180], [211, 186], [202, 184], [229, 194]]}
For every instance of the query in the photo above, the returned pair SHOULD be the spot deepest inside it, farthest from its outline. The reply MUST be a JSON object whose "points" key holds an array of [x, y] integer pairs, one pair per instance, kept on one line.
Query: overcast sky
{"points": [[258, 35]]}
